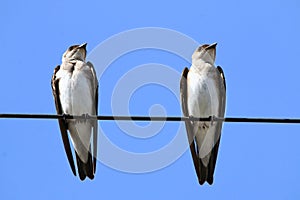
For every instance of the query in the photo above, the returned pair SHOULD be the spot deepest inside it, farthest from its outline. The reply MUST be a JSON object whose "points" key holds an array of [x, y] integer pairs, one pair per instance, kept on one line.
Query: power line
{"points": [[148, 118]]}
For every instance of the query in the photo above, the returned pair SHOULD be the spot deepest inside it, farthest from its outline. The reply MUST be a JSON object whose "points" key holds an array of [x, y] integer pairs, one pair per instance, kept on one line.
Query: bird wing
{"points": [[222, 100], [222, 75], [95, 122], [189, 127], [62, 123]]}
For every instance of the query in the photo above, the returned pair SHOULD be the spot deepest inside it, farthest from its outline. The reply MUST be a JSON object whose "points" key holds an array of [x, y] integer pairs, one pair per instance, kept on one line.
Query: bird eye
{"points": [[202, 47], [72, 47]]}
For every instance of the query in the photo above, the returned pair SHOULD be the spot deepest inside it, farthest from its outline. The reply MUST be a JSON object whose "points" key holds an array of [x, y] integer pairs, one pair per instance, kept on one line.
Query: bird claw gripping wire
{"points": [[84, 118], [192, 119], [64, 116], [212, 119]]}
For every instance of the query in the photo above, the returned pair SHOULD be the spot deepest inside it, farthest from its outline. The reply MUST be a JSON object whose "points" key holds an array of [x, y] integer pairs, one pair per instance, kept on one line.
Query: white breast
{"points": [[75, 93], [65, 93], [81, 94], [203, 99]]}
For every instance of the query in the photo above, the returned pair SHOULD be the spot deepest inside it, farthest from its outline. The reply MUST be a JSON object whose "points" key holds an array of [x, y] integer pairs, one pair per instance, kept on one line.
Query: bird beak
{"points": [[83, 45], [211, 50], [212, 46]]}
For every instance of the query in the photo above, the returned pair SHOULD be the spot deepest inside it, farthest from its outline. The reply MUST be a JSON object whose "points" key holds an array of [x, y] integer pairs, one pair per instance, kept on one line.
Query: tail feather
{"points": [[207, 173], [89, 166], [203, 173], [85, 169], [81, 168]]}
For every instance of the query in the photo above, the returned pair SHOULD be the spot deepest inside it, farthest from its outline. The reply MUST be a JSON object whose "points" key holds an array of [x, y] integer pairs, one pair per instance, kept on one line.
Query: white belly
{"points": [[77, 99], [203, 101]]}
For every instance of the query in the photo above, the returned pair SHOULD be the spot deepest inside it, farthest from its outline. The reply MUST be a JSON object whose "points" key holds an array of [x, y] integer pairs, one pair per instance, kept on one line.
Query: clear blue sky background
{"points": [[258, 48]]}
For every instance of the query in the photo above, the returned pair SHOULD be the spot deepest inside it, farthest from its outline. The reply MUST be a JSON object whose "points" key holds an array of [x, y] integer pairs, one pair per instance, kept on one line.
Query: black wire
{"points": [[147, 118]]}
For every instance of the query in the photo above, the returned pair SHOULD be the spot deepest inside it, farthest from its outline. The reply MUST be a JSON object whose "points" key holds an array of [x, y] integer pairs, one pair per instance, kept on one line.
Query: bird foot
{"points": [[212, 119], [84, 118], [64, 117], [192, 119]]}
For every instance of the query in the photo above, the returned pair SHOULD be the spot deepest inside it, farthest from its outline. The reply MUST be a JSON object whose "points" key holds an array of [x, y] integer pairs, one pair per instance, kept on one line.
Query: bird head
{"points": [[205, 52], [75, 52]]}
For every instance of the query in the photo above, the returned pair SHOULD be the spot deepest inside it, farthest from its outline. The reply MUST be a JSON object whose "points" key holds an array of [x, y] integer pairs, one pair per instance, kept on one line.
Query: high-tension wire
{"points": [[154, 118]]}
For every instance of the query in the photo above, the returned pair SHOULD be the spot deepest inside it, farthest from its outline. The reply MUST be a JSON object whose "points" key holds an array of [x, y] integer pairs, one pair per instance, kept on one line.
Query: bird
{"points": [[75, 90], [203, 95]]}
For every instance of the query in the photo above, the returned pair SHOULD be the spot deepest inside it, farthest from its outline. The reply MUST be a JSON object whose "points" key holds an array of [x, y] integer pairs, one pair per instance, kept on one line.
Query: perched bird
{"points": [[75, 90], [202, 90]]}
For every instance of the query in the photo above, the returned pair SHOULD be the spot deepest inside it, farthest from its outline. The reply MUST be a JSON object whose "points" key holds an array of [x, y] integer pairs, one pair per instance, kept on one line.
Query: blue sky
{"points": [[258, 47]]}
